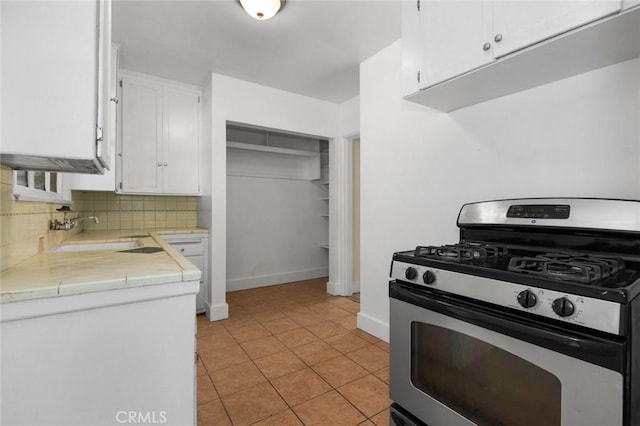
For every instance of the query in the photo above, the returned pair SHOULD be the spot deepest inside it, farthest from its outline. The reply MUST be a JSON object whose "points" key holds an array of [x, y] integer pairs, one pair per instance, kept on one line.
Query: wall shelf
{"points": [[271, 162]]}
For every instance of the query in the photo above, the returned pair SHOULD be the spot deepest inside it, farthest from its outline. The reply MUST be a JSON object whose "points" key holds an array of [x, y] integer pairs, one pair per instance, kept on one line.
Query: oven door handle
{"points": [[608, 353]]}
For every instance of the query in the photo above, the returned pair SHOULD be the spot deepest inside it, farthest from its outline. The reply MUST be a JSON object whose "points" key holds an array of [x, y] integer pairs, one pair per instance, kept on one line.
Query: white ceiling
{"points": [[310, 47]]}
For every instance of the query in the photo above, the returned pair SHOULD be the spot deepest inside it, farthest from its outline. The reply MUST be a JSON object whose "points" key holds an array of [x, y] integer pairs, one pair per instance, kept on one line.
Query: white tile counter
{"points": [[51, 274]]}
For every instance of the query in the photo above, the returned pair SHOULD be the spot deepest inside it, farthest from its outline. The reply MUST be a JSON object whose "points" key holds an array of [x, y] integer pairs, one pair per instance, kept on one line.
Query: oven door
{"points": [[455, 363]]}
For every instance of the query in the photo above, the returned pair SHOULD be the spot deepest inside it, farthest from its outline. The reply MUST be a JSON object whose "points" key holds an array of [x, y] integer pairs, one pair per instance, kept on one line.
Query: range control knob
{"points": [[411, 273], [527, 299], [563, 307], [429, 277]]}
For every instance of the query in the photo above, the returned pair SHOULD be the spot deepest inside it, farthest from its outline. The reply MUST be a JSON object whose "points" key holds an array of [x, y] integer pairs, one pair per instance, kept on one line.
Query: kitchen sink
{"points": [[117, 245]]}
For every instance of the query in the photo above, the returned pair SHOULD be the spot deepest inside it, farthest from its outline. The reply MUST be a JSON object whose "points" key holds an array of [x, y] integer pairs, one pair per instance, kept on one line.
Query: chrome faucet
{"points": [[68, 224]]}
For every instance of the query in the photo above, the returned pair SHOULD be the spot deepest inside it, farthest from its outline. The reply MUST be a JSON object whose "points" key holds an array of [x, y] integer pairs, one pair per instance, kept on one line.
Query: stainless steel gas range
{"points": [[532, 318]]}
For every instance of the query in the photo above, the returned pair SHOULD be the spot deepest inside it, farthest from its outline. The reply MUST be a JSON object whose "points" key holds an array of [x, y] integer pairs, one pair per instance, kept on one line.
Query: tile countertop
{"points": [[52, 274]]}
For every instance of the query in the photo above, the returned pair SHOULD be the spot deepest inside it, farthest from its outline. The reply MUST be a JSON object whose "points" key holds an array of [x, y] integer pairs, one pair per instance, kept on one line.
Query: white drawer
{"points": [[193, 247]]}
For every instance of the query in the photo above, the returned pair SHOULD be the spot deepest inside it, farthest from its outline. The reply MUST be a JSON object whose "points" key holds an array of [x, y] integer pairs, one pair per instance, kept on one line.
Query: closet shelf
{"points": [[272, 162], [324, 215], [325, 246], [271, 149]]}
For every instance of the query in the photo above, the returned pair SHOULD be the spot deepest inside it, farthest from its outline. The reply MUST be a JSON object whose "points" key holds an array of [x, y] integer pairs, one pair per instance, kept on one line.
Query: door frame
{"points": [[341, 217]]}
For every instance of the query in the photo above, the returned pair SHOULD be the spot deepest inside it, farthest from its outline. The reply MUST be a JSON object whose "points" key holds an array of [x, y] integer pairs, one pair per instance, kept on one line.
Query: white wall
{"points": [[274, 232], [244, 102], [579, 137], [350, 117]]}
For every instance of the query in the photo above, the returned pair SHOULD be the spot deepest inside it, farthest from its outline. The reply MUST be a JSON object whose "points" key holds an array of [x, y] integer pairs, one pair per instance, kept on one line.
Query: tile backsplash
{"points": [[24, 226], [126, 212]]}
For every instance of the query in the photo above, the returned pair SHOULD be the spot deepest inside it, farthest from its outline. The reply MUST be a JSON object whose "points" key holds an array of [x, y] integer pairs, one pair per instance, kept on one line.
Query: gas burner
{"points": [[465, 252], [567, 267]]}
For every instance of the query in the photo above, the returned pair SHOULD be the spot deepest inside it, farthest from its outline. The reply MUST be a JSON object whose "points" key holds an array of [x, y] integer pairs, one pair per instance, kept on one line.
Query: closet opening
{"points": [[277, 207]]}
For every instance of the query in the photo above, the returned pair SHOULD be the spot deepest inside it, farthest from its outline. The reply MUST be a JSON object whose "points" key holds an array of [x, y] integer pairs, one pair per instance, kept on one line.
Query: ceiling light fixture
{"points": [[262, 9]]}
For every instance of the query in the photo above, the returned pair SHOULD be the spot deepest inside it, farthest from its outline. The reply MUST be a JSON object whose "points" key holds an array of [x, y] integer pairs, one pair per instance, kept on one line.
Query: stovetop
{"points": [[589, 269], [602, 276]]}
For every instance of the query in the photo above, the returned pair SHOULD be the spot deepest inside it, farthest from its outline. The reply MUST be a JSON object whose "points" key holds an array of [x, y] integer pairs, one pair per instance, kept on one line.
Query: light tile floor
{"points": [[291, 355]]}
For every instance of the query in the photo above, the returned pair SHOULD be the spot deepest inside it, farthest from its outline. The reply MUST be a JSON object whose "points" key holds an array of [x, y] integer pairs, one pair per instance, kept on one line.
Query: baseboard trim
{"points": [[373, 326], [217, 312], [273, 279], [334, 289]]}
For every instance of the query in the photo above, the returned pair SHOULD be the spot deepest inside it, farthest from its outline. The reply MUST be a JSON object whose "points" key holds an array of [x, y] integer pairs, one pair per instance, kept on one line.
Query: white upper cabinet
{"points": [[141, 144], [454, 37], [55, 73], [411, 52], [458, 53], [159, 147], [518, 24], [106, 181], [180, 151]]}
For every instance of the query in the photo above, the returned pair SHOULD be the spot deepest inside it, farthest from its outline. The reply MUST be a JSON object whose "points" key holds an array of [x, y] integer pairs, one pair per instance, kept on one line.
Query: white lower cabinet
{"points": [[102, 358], [194, 247], [159, 147]]}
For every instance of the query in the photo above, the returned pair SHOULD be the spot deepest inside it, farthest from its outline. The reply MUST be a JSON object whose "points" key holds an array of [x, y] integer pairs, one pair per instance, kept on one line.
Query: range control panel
{"points": [[539, 211], [588, 312]]}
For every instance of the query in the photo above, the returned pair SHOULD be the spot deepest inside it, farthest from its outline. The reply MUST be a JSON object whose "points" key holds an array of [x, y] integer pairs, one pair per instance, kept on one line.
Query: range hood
{"points": [[48, 164]]}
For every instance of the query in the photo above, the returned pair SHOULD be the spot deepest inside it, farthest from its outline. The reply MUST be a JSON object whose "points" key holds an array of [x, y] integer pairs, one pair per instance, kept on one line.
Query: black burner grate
{"points": [[566, 267], [474, 253]]}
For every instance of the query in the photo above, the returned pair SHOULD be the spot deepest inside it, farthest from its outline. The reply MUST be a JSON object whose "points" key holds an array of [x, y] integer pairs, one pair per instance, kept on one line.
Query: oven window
{"points": [[481, 382]]}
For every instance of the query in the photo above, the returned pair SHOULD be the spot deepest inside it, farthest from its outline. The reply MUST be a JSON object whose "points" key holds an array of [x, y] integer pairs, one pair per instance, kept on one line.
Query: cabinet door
{"points": [[518, 24], [456, 38], [181, 142], [411, 53], [141, 145], [49, 78], [104, 148], [106, 181]]}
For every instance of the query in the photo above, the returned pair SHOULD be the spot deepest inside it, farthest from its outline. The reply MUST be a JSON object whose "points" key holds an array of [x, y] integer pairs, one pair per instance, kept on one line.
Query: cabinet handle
{"points": [[115, 99], [159, 164], [165, 164], [498, 38], [486, 46]]}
